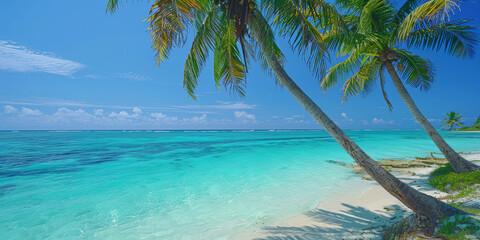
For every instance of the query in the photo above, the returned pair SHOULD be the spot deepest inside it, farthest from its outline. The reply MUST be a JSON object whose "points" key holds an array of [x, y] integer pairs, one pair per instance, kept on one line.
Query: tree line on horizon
{"points": [[455, 119], [375, 37]]}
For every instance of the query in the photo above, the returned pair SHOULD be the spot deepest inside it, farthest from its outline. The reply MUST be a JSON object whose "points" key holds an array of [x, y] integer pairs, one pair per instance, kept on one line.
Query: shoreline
{"points": [[363, 210]]}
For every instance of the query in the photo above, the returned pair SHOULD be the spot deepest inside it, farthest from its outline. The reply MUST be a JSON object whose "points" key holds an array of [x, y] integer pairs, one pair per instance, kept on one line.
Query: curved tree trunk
{"points": [[420, 203], [459, 164]]}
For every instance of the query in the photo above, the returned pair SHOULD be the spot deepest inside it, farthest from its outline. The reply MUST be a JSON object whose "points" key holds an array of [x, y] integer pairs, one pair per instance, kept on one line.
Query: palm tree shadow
{"points": [[352, 223]]}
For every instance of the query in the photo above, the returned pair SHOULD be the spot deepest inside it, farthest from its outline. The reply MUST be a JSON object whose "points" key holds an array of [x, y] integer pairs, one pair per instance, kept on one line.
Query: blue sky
{"points": [[68, 65]]}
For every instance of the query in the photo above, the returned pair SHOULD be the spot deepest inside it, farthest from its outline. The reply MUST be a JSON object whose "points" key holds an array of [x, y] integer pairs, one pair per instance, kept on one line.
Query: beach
{"points": [[364, 211]]}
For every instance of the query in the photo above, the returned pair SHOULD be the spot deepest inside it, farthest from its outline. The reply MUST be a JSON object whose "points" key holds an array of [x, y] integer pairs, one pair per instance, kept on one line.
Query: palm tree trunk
{"points": [[420, 203], [459, 164]]}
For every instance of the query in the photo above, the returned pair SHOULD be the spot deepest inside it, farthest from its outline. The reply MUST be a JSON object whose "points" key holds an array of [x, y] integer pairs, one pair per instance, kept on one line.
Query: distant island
{"points": [[454, 119]]}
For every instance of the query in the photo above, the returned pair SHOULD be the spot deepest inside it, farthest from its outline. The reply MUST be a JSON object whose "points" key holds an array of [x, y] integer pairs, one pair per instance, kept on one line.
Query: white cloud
{"points": [[98, 112], [119, 115], [244, 116], [158, 115], [365, 122], [21, 59], [133, 76], [344, 115], [137, 111], [183, 108], [123, 114], [199, 119], [222, 105], [28, 111], [381, 121], [9, 109]]}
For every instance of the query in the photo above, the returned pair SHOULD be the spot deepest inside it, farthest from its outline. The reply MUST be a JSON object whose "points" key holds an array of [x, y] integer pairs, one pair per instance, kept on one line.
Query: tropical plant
{"points": [[236, 31], [377, 39], [477, 123], [453, 119]]}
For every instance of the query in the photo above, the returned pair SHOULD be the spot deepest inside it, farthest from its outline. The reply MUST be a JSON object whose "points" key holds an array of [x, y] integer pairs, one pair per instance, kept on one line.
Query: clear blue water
{"points": [[177, 185]]}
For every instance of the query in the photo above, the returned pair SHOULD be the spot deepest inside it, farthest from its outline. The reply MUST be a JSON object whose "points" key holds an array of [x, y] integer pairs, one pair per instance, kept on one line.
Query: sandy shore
{"points": [[361, 212]]}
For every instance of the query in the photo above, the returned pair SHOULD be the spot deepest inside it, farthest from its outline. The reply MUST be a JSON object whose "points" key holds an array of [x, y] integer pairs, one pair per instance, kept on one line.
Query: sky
{"points": [[67, 65]]}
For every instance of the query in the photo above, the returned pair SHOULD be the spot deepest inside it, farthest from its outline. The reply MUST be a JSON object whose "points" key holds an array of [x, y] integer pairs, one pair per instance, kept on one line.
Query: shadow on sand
{"points": [[351, 223]]}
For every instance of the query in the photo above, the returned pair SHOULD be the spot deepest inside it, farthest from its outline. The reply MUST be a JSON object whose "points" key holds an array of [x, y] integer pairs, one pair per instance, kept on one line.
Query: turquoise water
{"points": [[177, 185]]}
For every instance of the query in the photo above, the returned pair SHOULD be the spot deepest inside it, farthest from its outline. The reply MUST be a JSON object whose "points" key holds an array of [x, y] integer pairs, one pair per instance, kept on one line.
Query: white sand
{"points": [[358, 212]]}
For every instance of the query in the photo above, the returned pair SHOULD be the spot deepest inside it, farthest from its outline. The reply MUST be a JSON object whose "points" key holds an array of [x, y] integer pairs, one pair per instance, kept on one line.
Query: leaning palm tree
{"points": [[377, 38], [236, 31], [453, 119]]}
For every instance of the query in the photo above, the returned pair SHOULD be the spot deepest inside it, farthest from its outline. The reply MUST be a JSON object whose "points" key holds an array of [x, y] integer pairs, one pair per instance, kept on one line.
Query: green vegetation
{"points": [[459, 227], [462, 187], [475, 127], [453, 119], [474, 211], [469, 129], [446, 179]]}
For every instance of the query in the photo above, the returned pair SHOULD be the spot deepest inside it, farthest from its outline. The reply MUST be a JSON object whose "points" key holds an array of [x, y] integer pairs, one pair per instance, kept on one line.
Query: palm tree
{"points": [[377, 38], [477, 123], [223, 26], [453, 119]]}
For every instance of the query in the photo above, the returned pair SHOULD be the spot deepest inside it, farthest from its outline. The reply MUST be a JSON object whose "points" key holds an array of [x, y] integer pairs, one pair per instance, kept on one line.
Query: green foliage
{"points": [[474, 211], [475, 127], [235, 31], [453, 119], [445, 179], [459, 227], [379, 34]]}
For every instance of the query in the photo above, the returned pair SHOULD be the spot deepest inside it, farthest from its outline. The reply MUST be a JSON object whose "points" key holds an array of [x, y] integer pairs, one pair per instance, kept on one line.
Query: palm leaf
{"points": [[207, 27], [229, 70], [417, 71], [456, 38], [169, 21], [362, 81], [290, 17], [381, 75], [429, 11], [339, 71]]}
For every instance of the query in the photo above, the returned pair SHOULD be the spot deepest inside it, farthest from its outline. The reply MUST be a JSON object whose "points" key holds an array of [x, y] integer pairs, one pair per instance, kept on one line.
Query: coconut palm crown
{"points": [[378, 38], [379, 33], [453, 119], [224, 28]]}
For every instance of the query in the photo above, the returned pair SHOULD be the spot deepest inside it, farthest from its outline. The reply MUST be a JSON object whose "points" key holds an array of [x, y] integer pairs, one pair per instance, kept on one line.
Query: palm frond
{"points": [[405, 9], [207, 26], [416, 71], [264, 44], [381, 76], [229, 70], [456, 38], [112, 6], [375, 14], [169, 21], [291, 21], [432, 10], [362, 81], [341, 70]]}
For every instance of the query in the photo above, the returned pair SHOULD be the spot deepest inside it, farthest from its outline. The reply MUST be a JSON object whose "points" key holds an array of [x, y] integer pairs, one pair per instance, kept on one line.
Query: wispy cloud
{"points": [[344, 115], [180, 108], [381, 121], [222, 105], [133, 76], [14, 57], [244, 116]]}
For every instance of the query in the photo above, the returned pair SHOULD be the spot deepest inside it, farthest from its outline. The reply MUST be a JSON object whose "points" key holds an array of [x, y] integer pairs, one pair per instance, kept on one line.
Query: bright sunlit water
{"points": [[177, 185]]}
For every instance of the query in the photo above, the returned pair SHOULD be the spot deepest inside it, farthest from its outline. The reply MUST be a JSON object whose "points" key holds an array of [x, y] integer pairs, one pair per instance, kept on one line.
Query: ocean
{"points": [[178, 184]]}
